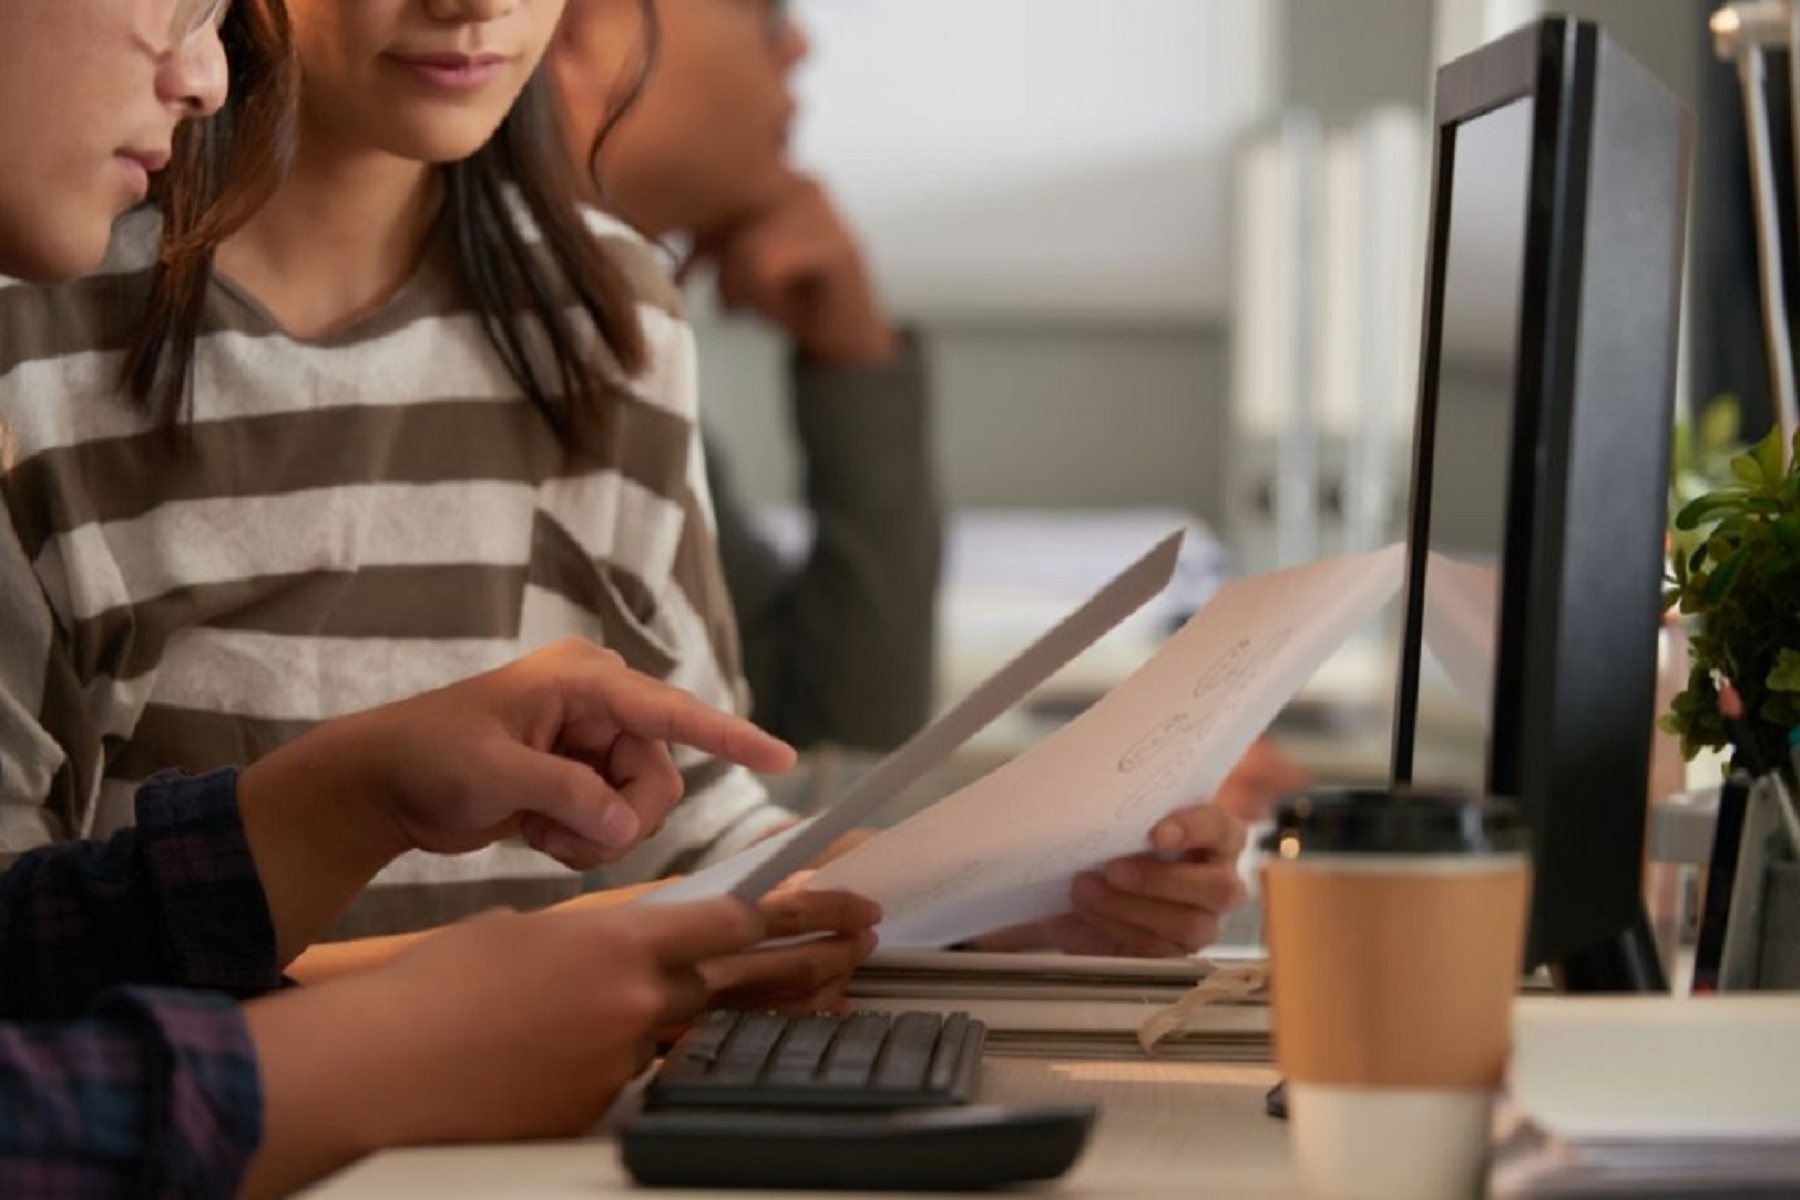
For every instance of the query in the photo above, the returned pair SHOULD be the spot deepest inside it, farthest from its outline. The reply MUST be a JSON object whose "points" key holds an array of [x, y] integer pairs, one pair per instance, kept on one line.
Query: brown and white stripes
{"points": [[341, 523]]}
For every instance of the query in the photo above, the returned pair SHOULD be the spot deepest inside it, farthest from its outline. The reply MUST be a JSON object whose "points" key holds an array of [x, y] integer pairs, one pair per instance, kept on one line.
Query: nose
{"points": [[195, 77], [469, 10], [794, 45]]}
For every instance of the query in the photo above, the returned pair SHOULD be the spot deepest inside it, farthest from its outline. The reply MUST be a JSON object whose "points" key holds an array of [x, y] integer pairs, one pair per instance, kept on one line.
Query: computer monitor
{"points": [[1540, 471]]}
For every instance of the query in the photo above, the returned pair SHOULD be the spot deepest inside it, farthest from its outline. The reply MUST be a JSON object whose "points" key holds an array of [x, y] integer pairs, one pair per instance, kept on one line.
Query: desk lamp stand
{"points": [[1742, 33]]}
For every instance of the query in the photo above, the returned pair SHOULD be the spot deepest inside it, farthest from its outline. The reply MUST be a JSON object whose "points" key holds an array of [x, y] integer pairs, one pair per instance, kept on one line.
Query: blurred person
{"points": [[841, 649]]}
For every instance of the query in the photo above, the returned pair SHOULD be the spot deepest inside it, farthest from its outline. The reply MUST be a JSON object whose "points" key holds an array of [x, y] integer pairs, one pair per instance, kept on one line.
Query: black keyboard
{"points": [[822, 1062]]}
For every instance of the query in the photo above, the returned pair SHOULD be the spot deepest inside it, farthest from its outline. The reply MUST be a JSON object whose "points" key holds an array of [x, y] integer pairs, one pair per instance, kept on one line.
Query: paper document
{"points": [[1004, 849], [1462, 627], [754, 872]]}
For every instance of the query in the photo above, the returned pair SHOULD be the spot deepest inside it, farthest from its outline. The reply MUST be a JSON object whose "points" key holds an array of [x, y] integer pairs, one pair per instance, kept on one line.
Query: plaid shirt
{"points": [[112, 1082]]}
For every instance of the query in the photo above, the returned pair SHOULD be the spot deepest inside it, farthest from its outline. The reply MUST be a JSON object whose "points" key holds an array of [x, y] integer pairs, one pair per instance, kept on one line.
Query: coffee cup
{"points": [[1395, 922]]}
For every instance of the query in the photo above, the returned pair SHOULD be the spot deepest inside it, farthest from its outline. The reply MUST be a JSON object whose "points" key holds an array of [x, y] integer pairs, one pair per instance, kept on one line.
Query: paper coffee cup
{"points": [[1396, 924]]}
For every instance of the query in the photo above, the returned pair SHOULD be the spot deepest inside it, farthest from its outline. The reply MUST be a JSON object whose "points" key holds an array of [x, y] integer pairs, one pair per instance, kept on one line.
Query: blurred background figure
{"points": [[838, 640]]}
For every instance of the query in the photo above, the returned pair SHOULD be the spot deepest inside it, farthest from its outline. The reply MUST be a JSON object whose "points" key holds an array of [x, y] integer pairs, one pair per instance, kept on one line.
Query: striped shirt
{"points": [[345, 522]]}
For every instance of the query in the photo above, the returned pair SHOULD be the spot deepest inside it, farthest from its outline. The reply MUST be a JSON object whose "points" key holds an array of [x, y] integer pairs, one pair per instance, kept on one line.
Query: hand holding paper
{"points": [[1003, 850], [1163, 903], [797, 976]]}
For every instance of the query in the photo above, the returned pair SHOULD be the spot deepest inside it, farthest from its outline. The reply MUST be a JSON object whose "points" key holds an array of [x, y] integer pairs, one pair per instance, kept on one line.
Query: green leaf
{"points": [[1724, 577], [1725, 500], [1785, 675], [1771, 456], [1745, 468]]}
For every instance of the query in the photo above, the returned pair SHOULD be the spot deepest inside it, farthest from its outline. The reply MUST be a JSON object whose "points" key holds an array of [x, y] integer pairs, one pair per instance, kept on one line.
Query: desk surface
{"points": [[1166, 1129]]}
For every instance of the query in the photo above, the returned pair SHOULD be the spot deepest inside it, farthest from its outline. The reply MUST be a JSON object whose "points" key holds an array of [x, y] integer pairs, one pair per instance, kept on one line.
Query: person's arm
{"points": [[174, 901], [568, 748], [842, 650], [230, 875], [51, 757], [166, 1093], [153, 1093], [501, 1027]]}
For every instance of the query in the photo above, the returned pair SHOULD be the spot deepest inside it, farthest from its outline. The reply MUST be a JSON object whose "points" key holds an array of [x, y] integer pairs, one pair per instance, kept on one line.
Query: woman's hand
{"points": [[1163, 903]]}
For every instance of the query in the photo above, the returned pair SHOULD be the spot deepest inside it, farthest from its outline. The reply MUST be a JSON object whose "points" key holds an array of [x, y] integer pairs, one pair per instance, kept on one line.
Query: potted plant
{"points": [[1734, 573]]}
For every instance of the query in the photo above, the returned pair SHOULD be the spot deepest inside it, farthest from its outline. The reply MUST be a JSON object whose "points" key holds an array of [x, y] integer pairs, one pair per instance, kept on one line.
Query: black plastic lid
{"points": [[1394, 821]]}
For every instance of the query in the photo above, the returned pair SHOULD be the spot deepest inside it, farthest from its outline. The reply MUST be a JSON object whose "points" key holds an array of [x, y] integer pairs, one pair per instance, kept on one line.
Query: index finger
{"points": [[682, 934], [658, 711]]}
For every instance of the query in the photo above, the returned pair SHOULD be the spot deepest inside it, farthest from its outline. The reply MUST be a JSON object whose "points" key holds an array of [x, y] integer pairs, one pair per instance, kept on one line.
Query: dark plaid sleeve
{"points": [[154, 1093], [174, 902]]}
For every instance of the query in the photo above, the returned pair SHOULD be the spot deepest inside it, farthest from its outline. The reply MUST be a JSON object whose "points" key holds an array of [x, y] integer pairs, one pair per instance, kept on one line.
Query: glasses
{"points": [[192, 17]]}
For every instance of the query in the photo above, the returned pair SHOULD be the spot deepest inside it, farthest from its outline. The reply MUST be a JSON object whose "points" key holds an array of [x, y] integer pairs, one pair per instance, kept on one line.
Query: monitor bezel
{"points": [[1542, 747], [1529, 64]]}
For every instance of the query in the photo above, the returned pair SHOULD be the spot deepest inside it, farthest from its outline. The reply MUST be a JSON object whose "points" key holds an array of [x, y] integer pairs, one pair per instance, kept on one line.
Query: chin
{"points": [[441, 146], [56, 256]]}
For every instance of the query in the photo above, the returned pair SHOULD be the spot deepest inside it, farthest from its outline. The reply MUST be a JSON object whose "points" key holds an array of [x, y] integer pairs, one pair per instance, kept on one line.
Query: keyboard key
{"points": [[747, 1049], [959, 1044], [797, 1059], [906, 1058], [853, 1054]]}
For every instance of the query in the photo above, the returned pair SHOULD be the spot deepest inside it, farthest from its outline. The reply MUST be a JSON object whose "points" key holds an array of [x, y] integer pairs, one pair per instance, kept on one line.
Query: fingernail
{"points": [[1124, 874], [619, 825]]}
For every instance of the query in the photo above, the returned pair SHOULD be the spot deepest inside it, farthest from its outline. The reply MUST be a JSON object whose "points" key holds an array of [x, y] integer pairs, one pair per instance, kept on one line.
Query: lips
{"points": [[450, 62], [451, 72], [151, 160]]}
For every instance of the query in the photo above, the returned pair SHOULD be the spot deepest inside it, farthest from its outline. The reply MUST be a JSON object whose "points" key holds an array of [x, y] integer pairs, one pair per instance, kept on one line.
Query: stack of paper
{"points": [[1654, 1096], [1064, 1006], [1541, 1166]]}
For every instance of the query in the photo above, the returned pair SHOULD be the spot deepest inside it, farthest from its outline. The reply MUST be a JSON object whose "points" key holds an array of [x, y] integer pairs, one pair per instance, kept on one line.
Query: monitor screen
{"points": [[1472, 428]]}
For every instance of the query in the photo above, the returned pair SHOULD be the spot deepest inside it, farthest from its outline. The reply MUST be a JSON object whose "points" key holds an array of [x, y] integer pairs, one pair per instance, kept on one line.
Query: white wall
{"points": [[1038, 157]]}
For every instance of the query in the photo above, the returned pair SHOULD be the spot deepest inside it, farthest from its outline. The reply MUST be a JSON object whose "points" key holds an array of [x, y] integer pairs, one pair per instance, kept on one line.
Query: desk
{"points": [[1166, 1129]]}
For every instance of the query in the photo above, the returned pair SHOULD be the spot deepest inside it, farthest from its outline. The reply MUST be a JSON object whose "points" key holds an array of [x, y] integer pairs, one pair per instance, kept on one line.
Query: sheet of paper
{"points": [[755, 871], [1004, 849], [1461, 628]]}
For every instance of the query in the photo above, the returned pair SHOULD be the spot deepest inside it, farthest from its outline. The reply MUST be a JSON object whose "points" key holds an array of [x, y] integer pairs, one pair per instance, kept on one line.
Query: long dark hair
{"points": [[221, 172], [228, 166]]}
